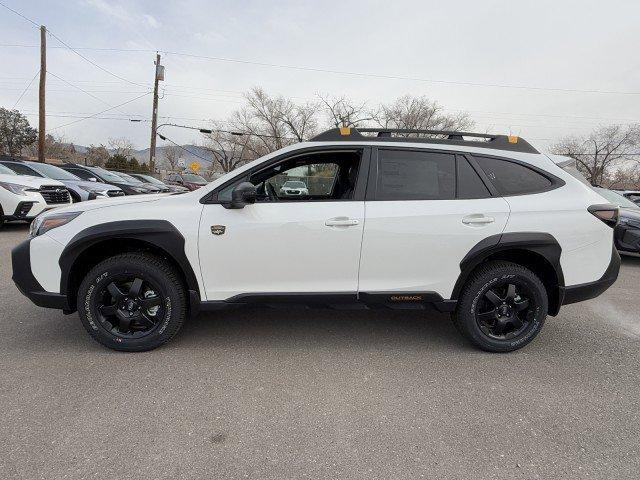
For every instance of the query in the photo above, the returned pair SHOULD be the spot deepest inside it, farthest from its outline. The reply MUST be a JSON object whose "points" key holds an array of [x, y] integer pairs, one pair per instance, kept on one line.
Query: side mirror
{"points": [[243, 194], [93, 179]]}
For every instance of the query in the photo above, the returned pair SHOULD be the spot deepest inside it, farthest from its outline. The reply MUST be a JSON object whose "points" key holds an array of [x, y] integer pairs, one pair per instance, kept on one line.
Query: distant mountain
{"points": [[190, 153]]}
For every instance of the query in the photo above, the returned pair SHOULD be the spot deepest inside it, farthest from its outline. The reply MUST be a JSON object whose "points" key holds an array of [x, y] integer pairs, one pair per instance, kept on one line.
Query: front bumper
{"points": [[587, 291], [27, 283], [627, 238]]}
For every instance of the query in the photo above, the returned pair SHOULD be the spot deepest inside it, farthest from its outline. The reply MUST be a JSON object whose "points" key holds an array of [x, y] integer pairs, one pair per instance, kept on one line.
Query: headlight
{"points": [[17, 189], [48, 221], [140, 189]]}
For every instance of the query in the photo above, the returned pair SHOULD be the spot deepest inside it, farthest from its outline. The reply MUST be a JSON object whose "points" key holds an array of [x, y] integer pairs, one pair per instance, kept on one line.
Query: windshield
{"points": [[150, 179], [52, 171], [109, 176], [129, 178], [294, 184], [6, 171], [616, 198], [193, 178]]}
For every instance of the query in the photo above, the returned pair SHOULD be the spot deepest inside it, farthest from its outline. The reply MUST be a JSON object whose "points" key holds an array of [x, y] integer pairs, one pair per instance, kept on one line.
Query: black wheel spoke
{"points": [[108, 310], [517, 322], [493, 298], [521, 305], [150, 302], [147, 320], [124, 321], [511, 292], [487, 317], [135, 288], [115, 292], [498, 328]]}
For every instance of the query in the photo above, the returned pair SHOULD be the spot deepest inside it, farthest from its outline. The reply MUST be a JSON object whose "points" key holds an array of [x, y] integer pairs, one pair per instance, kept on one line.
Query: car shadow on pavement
{"points": [[321, 328]]}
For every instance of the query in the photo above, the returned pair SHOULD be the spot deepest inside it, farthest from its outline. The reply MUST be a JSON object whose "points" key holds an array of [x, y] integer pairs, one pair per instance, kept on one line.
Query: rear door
{"points": [[425, 210]]}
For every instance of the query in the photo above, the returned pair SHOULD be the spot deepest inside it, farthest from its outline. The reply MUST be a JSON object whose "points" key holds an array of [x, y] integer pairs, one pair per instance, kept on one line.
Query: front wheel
{"points": [[132, 302], [502, 307]]}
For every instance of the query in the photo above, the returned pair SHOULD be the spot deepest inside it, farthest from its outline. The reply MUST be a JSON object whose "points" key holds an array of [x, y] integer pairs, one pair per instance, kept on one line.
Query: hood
{"points": [[630, 213], [29, 181], [98, 186], [110, 202]]}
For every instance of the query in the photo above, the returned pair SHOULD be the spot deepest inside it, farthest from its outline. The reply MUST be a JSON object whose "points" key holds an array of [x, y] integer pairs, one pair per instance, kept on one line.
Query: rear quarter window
{"points": [[511, 178]]}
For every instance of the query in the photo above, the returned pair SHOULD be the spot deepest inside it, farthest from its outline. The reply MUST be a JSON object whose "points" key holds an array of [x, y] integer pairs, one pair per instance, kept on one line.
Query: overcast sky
{"points": [[440, 48]]}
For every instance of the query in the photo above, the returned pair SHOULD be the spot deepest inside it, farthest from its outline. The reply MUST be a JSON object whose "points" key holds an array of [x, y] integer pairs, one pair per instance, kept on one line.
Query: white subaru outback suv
{"points": [[482, 226], [23, 197]]}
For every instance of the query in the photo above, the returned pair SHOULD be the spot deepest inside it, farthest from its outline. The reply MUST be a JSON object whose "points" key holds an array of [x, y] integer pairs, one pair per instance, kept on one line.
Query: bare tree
{"points": [[343, 112], [603, 149], [121, 146], [97, 155], [229, 151], [273, 122], [419, 113], [172, 155]]}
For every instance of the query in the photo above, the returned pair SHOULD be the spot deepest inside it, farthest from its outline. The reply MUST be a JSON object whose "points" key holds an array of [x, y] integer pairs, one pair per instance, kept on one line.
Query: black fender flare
{"points": [[542, 244], [158, 233]]}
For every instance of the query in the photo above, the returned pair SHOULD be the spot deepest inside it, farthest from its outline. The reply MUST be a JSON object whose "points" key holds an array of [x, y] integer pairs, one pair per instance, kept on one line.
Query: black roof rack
{"points": [[485, 140]]}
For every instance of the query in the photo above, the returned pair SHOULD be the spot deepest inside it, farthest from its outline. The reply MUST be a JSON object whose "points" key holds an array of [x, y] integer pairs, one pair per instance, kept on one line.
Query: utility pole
{"points": [[159, 75], [41, 99]]}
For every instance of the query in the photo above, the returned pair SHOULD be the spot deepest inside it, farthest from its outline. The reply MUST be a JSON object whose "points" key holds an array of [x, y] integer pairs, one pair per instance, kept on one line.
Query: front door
{"points": [[303, 234]]}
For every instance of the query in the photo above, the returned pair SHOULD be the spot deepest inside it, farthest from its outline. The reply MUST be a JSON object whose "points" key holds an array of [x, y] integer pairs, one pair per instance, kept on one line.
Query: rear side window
{"points": [[409, 175], [511, 178], [470, 185]]}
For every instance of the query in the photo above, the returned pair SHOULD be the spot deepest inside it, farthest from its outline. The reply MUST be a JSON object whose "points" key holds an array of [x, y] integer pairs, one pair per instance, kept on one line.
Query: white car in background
{"points": [[294, 187], [23, 197]]}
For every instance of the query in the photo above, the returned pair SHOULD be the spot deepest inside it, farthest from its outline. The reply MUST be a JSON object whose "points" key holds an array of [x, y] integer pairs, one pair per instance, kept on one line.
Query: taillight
{"points": [[607, 213]]}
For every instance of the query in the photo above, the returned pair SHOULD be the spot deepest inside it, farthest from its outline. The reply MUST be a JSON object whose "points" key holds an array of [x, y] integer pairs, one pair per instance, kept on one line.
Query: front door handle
{"points": [[477, 219], [341, 222]]}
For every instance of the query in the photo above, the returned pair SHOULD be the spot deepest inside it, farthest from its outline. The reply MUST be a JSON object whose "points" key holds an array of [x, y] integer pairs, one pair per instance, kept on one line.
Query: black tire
{"points": [[132, 276], [1, 217], [502, 307]]}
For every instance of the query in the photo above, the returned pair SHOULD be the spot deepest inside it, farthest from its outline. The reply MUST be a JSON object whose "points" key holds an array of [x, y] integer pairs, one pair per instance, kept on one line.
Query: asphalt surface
{"points": [[321, 394]]}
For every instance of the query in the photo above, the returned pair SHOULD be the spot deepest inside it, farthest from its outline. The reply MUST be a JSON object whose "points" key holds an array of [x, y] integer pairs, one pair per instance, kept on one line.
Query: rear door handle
{"points": [[341, 222], [477, 219]]}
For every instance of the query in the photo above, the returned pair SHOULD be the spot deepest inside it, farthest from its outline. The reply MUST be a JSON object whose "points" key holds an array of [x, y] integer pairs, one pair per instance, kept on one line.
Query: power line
{"points": [[100, 113], [25, 90], [92, 62], [164, 137], [35, 24], [361, 74], [78, 88]]}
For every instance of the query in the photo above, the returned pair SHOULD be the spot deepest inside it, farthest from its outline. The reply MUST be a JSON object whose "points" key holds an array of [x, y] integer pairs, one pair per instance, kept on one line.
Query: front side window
{"points": [[414, 175], [511, 178], [310, 177], [83, 174]]}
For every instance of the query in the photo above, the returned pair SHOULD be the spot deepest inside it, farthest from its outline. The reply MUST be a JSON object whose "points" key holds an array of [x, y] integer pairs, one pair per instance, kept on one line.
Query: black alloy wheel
{"points": [[505, 310], [132, 302], [502, 307], [130, 307]]}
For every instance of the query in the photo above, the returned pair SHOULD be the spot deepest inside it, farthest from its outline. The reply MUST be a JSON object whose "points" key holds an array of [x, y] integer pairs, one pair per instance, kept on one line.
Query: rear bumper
{"points": [[587, 291], [27, 283]]}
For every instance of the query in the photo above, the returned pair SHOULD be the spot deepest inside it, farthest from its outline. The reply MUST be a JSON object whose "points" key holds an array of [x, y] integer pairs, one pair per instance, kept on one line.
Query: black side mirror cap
{"points": [[243, 194]]}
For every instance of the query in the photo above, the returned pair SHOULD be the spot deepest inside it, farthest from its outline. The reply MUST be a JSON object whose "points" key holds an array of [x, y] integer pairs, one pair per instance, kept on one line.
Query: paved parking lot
{"points": [[321, 394]]}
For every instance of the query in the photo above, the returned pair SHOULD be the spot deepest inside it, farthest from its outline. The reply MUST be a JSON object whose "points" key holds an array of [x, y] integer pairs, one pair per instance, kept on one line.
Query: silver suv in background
{"points": [[79, 189]]}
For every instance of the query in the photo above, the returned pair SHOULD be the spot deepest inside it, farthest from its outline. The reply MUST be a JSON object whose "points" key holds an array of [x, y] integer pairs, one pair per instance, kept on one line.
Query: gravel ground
{"points": [[321, 394]]}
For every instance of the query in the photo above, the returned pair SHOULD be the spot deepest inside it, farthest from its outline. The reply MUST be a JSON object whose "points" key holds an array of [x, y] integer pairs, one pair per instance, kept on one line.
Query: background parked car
{"points": [[134, 181], [633, 195], [98, 174], [627, 231], [294, 188], [155, 181], [79, 189], [22, 197], [192, 181]]}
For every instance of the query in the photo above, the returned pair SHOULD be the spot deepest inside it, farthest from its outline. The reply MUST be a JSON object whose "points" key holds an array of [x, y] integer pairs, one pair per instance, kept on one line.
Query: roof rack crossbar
{"points": [[483, 140]]}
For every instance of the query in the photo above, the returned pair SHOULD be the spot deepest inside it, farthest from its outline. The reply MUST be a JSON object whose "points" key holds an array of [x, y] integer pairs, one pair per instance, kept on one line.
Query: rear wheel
{"points": [[132, 302], [502, 307]]}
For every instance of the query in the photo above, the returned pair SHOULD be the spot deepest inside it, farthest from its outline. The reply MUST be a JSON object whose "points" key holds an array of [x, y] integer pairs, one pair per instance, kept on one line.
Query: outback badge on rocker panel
{"points": [[218, 229]]}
